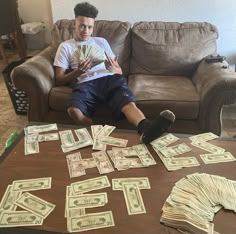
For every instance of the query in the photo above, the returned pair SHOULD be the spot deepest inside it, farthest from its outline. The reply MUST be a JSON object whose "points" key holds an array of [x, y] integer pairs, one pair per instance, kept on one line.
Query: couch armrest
{"points": [[36, 78], [216, 86]]}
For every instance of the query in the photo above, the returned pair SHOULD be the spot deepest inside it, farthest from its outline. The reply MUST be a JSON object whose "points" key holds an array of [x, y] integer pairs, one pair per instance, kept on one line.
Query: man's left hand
{"points": [[112, 65]]}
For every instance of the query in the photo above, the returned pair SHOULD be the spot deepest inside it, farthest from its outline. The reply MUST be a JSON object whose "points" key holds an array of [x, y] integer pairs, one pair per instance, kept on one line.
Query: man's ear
{"points": [[73, 23]]}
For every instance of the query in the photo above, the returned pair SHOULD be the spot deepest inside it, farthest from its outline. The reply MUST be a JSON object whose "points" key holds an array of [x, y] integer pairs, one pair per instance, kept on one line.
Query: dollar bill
{"points": [[19, 219], [32, 184], [76, 212], [144, 155], [208, 147], [35, 205], [90, 221], [31, 147], [90, 184], [164, 141], [175, 150], [95, 129], [141, 182], [123, 152], [74, 169], [87, 200], [77, 145], [204, 137], [113, 141], [177, 163], [127, 163], [217, 157], [9, 197], [39, 128], [67, 138], [133, 199], [42, 137], [103, 163], [98, 145], [105, 131], [83, 135]]}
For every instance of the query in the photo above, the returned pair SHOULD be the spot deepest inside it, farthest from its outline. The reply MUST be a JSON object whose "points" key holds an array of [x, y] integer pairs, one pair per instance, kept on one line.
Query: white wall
{"points": [[218, 12], [37, 11]]}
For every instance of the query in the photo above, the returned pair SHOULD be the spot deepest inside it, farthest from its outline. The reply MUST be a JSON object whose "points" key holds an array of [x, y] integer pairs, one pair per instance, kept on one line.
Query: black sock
{"points": [[143, 125]]}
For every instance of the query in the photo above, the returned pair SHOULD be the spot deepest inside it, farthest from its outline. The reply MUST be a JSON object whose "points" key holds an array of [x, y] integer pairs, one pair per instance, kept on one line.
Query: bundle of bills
{"points": [[35, 209], [77, 200], [92, 52], [195, 199]]}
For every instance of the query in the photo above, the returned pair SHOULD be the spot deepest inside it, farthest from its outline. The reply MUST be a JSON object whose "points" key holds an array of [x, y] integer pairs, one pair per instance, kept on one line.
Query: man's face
{"points": [[83, 27]]}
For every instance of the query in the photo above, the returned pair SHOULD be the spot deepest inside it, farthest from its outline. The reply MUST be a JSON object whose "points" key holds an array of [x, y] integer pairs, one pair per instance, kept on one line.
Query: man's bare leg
{"points": [[132, 113], [78, 116]]}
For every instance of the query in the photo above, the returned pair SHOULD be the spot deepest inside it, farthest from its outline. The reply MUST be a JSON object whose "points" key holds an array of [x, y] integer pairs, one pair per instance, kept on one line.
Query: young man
{"points": [[99, 83]]}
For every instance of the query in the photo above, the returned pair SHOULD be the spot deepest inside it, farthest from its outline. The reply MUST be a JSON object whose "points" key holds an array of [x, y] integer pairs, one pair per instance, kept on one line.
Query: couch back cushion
{"points": [[117, 33], [166, 48]]}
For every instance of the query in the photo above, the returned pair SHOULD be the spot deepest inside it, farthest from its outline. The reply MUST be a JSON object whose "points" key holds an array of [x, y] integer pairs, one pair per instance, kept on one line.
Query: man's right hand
{"points": [[84, 65]]}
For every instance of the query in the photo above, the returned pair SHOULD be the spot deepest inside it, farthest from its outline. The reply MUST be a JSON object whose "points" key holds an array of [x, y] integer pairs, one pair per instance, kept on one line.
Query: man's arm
{"points": [[63, 78]]}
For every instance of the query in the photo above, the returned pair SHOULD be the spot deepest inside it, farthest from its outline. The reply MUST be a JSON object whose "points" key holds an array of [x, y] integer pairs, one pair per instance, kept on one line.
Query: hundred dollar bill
{"points": [[87, 200], [105, 131], [133, 199], [31, 147], [67, 138], [90, 221], [141, 182], [9, 197], [217, 157], [90, 184], [19, 219], [35, 205], [208, 147], [164, 141], [113, 141], [204, 137], [32, 184], [95, 129], [103, 163], [175, 150], [72, 160], [83, 135]]}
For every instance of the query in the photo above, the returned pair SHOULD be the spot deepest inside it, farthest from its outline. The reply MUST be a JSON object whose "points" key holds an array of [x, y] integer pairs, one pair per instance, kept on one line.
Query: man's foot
{"points": [[158, 127]]}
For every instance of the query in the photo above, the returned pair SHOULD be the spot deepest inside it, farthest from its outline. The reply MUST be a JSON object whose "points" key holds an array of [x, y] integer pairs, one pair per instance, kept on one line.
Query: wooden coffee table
{"points": [[51, 162]]}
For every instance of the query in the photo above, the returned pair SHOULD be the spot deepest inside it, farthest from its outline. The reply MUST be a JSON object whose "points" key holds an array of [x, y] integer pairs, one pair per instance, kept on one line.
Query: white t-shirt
{"points": [[65, 57]]}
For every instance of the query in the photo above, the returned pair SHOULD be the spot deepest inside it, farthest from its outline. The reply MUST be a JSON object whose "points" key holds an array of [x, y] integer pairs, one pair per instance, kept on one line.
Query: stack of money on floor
{"points": [[195, 199]]}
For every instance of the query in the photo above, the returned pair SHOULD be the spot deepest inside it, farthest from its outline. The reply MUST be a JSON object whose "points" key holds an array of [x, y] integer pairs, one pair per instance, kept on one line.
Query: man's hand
{"points": [[112, 65], [84, 65]]}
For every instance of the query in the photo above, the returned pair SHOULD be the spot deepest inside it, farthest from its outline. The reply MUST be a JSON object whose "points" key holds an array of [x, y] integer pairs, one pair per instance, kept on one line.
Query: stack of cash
{"points": [[77, 200], [32, 210], [131, 189], [195, 199]]}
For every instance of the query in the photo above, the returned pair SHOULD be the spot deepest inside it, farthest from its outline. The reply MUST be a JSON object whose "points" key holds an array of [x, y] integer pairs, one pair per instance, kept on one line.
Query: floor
{"points": [[10, 122]]}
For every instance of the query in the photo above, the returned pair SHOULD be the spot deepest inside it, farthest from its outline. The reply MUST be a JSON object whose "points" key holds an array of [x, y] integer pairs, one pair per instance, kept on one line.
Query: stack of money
{"points": [[33, 209], [168, 154], [77, 201], [195, 199], [131, 157], [131, 189], [32, 137]]}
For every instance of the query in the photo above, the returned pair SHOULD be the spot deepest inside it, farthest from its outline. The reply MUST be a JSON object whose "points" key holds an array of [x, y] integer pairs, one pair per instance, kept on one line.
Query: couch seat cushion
{"points": [[156, 93], [58, 97]]}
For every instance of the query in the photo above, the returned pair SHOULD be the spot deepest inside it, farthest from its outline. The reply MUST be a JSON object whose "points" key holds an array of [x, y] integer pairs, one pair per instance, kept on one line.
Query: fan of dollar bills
{"points": [[195, 199], [93, 52]]}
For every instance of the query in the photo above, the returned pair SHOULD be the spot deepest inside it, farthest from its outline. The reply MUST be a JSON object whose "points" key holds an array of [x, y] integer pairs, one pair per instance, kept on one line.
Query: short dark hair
{"points": [[85, 9]]}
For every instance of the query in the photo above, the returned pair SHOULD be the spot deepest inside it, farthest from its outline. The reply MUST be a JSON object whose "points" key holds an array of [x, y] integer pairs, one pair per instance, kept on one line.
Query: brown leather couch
{"points": [[165, 66]]}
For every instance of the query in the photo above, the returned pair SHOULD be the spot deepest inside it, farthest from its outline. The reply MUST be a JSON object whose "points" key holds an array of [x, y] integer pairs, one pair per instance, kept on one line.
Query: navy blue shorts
{"points": [[112, 90]]}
